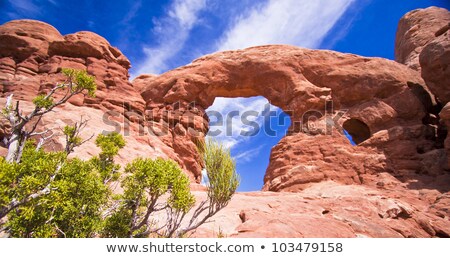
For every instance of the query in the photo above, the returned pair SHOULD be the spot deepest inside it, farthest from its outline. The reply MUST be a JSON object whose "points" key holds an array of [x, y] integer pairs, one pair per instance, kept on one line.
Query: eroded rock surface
{"points": [[415, 30], [386, 99], [434, 61], [423, 43], [328, 209], [32, 54]]}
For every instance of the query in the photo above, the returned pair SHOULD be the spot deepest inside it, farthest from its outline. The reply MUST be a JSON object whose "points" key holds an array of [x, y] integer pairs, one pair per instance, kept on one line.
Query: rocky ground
{"points": [[329, 209]]}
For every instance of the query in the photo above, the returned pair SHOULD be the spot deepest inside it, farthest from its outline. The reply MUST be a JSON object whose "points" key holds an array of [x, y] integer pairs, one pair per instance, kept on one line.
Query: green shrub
{"points": [[221, 170], [153, 186], [80, 80], [110, 144], [42, 102], [146, 182], [70, 208]]}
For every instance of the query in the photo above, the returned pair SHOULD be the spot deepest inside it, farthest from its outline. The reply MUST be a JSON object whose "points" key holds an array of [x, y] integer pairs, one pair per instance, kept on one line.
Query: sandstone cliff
{"points": [[32, 54], [423, 43]]}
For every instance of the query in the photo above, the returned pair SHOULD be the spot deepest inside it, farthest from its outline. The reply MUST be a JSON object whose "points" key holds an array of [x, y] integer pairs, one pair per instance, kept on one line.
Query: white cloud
{"points": [[172, 31], [296, 22], [232, 128], [132, 12], [185, 12], [247, 156], [227, 142], [26, 7]]}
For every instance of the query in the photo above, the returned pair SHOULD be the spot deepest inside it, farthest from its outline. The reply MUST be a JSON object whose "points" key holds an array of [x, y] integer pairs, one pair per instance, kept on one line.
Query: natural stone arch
{"points": [[262, 128], [372, 90]]}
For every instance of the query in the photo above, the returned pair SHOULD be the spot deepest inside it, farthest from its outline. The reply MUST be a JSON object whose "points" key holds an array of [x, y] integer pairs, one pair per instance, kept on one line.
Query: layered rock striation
{"points": [[32, 54], [387, 109]]}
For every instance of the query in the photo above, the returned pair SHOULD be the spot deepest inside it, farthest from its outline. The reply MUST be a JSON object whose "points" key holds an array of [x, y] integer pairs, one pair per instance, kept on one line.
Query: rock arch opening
{"points": [[357, 130], [250, 127], [301, 80]]}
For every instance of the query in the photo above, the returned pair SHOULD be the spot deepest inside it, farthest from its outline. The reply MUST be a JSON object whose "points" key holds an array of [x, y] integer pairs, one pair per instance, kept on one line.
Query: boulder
{"points": [[415, 30], [435, 61]]}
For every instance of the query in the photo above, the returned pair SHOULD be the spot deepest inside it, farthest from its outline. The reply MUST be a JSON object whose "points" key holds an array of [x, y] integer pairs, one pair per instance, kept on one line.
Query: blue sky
{"points": [[160, 35]]}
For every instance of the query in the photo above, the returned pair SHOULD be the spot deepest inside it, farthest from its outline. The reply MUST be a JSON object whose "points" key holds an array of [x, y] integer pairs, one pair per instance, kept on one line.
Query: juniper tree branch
{"points": [[16, 203]]}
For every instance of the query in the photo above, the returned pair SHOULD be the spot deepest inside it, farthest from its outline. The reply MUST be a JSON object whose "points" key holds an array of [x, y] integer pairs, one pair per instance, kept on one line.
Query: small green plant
{"points": [[79, 81], [221, 170], [220, 234], [110, 144], [72, 134], [43, 102]]}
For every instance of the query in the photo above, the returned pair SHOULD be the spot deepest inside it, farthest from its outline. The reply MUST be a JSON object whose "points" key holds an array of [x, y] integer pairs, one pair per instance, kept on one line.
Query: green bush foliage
{"points": [[72, 206], [72, 138], [80, 80], [110, 144], [61, 197], [146, 182], [42, 101], [221, 170]]}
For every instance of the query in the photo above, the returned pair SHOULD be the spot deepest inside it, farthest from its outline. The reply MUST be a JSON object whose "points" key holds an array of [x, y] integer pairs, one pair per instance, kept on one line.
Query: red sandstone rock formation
{"points": [[32, 54], [329, 209], [392, 184], [415, 30], [423, 43], [434, 61], [387, 101]]}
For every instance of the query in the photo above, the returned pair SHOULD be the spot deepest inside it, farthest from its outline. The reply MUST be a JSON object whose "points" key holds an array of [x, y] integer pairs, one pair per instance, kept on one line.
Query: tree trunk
{"points": [[14, 147]]}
